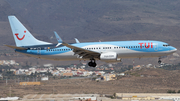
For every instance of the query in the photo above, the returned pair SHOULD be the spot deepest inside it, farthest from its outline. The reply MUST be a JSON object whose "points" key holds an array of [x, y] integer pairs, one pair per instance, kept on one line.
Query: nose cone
{"points": [[173, 49]]}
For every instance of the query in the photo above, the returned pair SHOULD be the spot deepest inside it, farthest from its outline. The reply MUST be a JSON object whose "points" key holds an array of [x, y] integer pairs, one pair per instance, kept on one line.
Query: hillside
{"points": [[87, 20], [153, 81], [101, 19]]}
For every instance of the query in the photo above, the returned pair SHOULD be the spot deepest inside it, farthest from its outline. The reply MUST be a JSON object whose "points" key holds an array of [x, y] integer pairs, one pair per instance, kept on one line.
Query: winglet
{"points": [[77, 41], [58, 39]]}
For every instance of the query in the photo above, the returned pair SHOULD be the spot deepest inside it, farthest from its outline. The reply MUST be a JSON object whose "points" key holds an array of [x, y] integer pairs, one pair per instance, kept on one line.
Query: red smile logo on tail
{"points": [[18, 36]]}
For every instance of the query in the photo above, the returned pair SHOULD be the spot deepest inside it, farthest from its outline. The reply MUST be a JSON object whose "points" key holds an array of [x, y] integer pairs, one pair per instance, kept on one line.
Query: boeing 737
{"points": [[112, 51]]}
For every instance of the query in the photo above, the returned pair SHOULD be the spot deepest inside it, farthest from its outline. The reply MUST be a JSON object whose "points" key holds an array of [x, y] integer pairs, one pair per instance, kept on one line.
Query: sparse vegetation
{"points": [[171, 67], [127, 83], [171, 91]]}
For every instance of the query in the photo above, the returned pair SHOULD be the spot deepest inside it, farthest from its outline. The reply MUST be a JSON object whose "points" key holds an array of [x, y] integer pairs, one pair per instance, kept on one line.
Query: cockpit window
{"points": [[165, 45]]}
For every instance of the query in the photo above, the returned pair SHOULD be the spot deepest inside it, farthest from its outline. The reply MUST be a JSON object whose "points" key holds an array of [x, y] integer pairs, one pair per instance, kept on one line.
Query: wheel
{"points": [[90, 64], [159, 61], [94, 64]]}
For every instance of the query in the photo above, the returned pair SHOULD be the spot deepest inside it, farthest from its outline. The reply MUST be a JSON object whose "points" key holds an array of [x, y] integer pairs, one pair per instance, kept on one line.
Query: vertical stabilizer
{"points": [[21, 35]]}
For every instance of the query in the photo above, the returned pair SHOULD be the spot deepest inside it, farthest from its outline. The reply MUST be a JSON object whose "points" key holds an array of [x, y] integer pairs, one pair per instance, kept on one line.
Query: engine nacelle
{"points": [[108, 56]]}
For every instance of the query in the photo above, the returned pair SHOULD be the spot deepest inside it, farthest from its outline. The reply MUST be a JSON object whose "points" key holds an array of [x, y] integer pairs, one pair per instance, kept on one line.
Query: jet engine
{"points": [[109, 57]]}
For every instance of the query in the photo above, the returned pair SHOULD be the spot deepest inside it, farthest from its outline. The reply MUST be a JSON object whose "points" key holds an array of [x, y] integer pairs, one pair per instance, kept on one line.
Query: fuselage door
{"points": [[156, 47], [39, 50]]}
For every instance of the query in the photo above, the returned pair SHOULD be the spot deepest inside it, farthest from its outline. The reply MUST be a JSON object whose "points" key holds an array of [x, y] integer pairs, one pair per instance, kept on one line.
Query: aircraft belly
{"points": [[63, 56], [139, 54]]}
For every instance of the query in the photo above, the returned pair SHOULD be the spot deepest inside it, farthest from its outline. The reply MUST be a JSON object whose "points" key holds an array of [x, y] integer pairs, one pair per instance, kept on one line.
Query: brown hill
{"points": [[88, 20], [102, 19], [153, 81]]}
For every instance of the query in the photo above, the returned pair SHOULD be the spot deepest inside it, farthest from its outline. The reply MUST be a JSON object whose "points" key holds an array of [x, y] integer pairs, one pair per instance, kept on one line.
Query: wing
{"points": [[83, 53]]}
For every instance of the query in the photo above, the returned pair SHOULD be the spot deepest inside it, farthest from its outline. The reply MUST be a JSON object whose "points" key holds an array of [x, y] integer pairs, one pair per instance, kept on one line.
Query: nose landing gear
{"points": [[92, 63], [159, 61]]}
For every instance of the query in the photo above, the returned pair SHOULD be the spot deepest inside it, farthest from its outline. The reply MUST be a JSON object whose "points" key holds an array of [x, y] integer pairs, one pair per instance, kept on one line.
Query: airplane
{"points": [[112, 51]]}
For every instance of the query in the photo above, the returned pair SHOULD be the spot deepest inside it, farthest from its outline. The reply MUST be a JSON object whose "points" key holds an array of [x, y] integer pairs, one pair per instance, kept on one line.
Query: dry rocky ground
{"points": [[139, 81]]}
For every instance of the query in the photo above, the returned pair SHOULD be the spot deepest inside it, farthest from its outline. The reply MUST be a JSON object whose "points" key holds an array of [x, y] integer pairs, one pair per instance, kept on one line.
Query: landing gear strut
{"points": [[92, 63], [159, 61]]}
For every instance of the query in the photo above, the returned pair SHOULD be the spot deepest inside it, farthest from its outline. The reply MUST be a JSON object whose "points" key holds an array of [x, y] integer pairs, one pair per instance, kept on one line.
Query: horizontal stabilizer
{"points": [[14, 47]]}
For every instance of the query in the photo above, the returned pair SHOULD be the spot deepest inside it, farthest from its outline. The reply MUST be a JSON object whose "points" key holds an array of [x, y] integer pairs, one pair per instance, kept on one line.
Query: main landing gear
{"points": [[92, 63], [159, 61]]}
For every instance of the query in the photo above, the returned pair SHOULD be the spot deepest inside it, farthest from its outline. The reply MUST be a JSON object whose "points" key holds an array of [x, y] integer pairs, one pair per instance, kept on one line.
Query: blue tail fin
{"points": [[21, 35]]}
